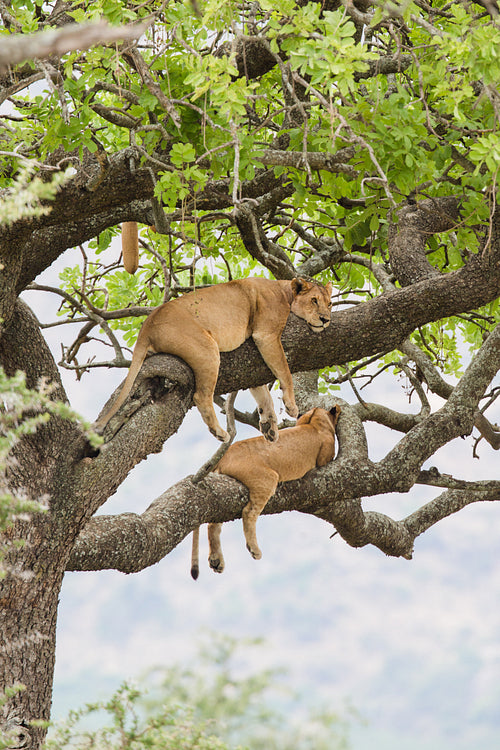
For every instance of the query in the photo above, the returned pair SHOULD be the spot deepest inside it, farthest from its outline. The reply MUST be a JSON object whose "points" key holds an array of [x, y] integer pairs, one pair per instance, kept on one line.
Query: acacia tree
{"points": [[356, 142]]}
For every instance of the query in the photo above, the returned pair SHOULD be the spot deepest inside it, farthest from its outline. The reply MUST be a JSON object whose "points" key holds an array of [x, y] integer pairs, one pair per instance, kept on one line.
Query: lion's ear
{"points": [[305, 418], [299, 285], [334, 414]]}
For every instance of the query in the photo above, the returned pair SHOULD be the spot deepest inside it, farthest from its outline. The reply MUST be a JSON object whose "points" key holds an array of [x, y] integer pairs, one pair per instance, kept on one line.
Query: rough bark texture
{"points": [[57, 467], [77, 483]]}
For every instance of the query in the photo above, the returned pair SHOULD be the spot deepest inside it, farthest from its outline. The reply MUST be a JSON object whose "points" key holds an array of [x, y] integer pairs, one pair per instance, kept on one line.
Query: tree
{"points": [[352, 142]]}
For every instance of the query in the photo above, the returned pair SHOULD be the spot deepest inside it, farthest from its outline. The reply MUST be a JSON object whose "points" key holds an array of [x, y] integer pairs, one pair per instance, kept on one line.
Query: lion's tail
{"points": [[130, 246], [138, 357], [195, 554]]}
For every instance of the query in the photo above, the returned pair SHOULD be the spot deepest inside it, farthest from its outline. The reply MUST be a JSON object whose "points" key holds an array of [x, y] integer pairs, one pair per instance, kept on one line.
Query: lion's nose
{"points": [[324, 318]]}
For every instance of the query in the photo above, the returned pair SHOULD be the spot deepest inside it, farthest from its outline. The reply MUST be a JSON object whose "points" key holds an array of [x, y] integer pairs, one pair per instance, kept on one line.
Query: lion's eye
{"points": [[315, 301]]}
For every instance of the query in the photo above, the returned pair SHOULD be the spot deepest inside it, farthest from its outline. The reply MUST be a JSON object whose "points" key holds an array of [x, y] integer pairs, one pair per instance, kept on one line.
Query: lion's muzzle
{"points": [[317, 327]]}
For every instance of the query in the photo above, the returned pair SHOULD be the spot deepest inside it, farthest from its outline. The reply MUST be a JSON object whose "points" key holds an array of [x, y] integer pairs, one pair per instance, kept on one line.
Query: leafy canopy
{"points": [[427, 128]]}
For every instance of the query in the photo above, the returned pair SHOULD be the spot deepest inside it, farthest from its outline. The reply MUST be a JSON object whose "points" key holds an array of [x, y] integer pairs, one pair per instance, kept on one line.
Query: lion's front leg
{"points": [[215, 556], [259, 496]]}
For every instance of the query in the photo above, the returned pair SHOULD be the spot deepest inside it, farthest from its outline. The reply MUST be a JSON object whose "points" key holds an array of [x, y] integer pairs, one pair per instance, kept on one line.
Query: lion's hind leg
{"points": [[203, 358], [215, 556], [174, 330], [262, 485]]}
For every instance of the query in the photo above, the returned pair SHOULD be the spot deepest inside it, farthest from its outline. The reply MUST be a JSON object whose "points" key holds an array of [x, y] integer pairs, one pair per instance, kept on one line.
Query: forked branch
{"points": [[332, 493]]}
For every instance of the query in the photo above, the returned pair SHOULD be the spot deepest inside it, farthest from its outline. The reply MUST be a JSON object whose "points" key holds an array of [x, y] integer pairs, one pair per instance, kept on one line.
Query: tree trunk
{"points": [[28, 616], [37, 548]]}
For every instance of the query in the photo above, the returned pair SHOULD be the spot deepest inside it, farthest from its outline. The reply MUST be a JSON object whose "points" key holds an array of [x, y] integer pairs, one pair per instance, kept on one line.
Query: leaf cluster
{"points": [[416, 101]]}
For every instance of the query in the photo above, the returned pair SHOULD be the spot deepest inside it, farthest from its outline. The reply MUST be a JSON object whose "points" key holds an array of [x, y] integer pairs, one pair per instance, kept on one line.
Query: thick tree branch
{"points": [[15, 49], [336, 162], [132, 542], [258, 244], [332, 493], [449, 502], [385, 65], [408, 236]]}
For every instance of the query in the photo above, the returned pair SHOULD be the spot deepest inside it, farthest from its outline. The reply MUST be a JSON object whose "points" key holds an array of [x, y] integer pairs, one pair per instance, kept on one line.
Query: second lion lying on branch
{"points": [[261, 465]]}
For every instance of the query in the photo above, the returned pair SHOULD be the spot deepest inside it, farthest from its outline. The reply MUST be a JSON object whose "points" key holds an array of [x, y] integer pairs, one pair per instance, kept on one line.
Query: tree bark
{"points": [[57, 467], [29, 599], [57, 464]]}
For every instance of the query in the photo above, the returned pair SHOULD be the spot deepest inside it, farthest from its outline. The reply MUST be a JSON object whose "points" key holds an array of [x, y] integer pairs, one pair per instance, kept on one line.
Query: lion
{"points": [[199, 325], [260, 466]]}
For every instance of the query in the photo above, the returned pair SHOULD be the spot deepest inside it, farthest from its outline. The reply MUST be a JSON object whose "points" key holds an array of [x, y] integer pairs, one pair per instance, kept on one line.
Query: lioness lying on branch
{"points": [[202, 323], [261, 466]]}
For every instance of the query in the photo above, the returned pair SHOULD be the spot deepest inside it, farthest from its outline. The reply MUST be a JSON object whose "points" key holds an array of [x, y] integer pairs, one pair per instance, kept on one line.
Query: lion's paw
{"points": [[217, 564], [270, 431], [220, 434], [255, 552]]}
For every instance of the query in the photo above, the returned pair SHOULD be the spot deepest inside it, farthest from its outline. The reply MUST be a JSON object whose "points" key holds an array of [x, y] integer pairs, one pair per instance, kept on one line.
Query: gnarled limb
{"points": [[332, 492], [409, 235]]}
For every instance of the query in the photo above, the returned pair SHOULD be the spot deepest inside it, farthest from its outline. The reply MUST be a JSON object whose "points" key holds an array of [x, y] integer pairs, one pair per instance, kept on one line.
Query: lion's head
{"points": [[312, 303], [321, 418]]}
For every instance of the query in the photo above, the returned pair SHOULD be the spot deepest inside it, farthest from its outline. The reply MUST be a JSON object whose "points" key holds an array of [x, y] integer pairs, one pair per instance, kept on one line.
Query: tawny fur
{"points": [[260, 466], [202, 323]]}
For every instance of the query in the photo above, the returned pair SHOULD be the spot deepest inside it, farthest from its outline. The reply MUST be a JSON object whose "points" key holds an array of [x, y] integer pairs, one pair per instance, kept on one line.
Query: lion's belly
{"points": [[228, 325], [227, 340], [221, 310]]}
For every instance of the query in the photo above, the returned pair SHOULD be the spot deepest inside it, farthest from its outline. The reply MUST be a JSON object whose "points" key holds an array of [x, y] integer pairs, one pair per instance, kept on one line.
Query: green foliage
{"points": [[248, 706], [321, 47], [170, 728], [24, 197], [429, 129], [216, 705]]}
